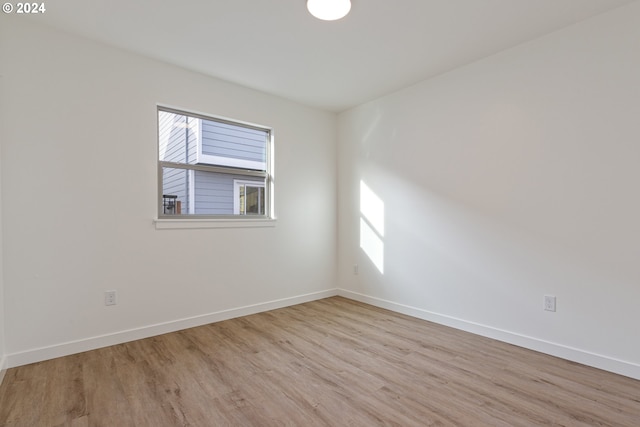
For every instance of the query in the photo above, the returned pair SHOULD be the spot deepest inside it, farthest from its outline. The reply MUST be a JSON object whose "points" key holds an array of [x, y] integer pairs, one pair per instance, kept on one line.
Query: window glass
{"points": [[212, 167]]}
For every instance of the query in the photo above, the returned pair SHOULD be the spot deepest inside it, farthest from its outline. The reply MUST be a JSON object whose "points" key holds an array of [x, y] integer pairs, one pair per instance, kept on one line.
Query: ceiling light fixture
{"points": [[329, 10]]}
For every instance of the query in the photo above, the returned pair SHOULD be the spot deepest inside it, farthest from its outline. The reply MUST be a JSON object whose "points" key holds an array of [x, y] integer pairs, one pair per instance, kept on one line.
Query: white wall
{"points": [[505, 180], [2, 317], [79, 173], [3, 358], [3, 107]]}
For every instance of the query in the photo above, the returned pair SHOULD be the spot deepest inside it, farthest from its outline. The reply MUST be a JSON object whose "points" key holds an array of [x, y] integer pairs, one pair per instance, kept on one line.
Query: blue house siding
{"points": [[214, 192], [224, 140]]}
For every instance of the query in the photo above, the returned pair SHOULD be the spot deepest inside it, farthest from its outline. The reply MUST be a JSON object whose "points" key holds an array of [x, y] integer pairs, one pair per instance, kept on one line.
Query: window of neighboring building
{"points": [[248, 197], [212, 167]]}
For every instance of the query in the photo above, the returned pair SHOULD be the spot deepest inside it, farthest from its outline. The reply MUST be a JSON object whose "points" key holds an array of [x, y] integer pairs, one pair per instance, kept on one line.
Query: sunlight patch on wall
{"points": [[372, 226], [372, 208], [372, 245]]}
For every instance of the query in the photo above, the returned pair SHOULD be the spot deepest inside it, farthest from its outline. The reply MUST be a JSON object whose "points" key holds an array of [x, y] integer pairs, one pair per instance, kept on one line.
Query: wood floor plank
{"points": [[332, 362]]}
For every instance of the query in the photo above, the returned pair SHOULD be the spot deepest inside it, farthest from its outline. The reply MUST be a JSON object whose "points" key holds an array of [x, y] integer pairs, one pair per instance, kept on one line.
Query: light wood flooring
{"points": [[332, 362]]}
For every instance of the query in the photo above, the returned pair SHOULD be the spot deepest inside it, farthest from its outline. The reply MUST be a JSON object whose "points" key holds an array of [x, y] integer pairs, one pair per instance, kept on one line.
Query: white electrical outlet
{"points": [[110, 298], [355, 269], [550, 303]]}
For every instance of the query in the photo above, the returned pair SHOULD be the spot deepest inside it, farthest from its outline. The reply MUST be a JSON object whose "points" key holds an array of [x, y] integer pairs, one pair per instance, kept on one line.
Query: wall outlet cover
{"points": [[550, 303]]}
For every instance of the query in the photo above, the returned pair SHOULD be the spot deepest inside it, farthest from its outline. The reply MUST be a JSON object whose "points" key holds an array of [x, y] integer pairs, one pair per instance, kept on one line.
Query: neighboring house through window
{"points": [[212, 167]]}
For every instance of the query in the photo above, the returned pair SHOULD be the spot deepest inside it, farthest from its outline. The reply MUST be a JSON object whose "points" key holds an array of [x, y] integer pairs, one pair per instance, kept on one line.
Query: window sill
{"points": [[200, 223]]}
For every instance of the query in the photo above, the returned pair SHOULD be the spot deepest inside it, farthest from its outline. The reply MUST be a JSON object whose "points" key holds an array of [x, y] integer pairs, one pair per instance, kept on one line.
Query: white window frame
{"points": [[237, 183], [244, 167]]}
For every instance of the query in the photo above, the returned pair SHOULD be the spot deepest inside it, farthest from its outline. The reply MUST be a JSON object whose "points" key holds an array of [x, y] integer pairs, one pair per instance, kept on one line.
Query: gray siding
{"points": [[221, 139], [214, 192], [178, 143]]}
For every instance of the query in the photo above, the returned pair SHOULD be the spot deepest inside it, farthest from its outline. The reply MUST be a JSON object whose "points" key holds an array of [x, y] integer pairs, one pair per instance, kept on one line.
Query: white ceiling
{"points": [[277, 47]]}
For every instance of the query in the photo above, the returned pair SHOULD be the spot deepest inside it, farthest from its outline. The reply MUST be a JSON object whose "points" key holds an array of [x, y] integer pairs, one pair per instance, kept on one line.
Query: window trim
{"points": [[239, 221], [217, 221]]}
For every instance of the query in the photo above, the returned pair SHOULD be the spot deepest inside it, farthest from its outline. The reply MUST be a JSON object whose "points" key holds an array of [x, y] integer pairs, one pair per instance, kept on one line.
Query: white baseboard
{"points": [[92, 343], [599, 361], [3, 368], [606, 363]]}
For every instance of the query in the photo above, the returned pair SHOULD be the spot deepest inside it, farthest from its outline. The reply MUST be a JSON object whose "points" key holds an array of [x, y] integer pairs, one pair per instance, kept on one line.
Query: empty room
{"points": [[274, 212]]}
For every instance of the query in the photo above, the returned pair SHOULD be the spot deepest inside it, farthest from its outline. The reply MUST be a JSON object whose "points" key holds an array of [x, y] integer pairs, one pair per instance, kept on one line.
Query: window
{"points": [[248, 197], [212, 168]]}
